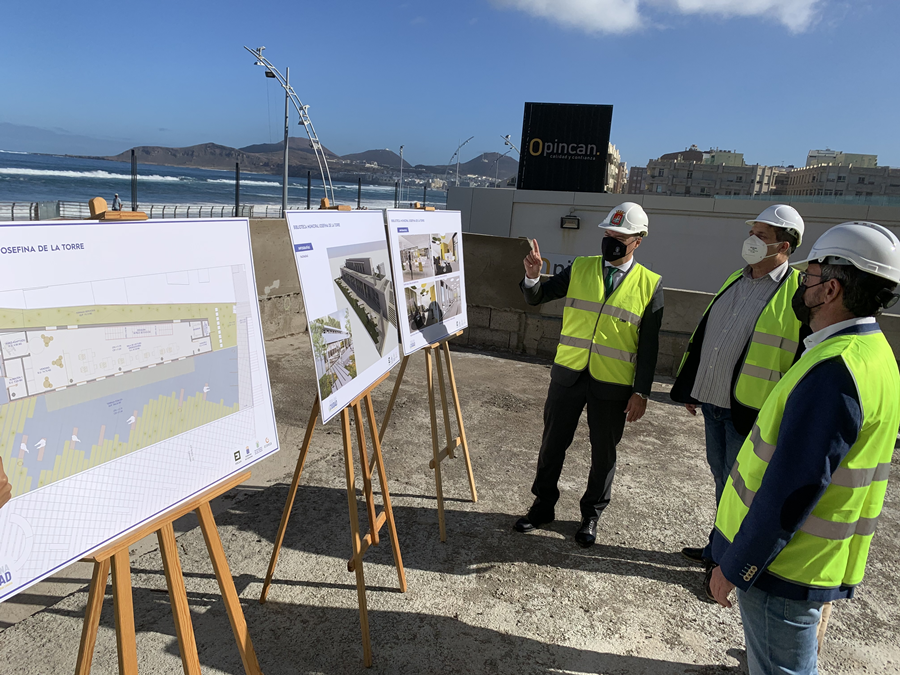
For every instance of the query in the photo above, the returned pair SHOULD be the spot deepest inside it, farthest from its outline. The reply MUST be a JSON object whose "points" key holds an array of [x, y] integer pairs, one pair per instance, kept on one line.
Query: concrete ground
{"points": [[489, 600]]}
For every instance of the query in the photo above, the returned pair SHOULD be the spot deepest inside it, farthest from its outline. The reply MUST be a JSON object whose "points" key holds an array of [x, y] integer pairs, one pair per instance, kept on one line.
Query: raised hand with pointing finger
{"points": [[533, 262]]}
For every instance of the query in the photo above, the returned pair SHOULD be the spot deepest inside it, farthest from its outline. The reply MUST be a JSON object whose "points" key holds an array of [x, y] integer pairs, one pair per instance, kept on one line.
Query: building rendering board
{"points": [[348, 292], [133, 377], [427, 256]]}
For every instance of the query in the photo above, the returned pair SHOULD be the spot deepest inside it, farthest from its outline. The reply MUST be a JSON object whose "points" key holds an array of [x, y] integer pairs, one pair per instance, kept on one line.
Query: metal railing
{"points": [[14, 211], [18, 211]]}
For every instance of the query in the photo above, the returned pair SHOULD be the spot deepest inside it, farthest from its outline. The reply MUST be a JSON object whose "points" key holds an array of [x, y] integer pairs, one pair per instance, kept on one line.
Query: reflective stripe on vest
{"points": [[831, 548], [772, 347], [601, 333]]}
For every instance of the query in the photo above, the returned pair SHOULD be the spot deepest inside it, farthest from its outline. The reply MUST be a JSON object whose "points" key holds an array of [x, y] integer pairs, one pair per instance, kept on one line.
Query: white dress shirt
{"points": [[820, 336]]}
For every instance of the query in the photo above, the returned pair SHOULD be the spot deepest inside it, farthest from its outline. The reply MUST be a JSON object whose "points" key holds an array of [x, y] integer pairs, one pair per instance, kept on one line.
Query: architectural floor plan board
{"points": [[132, 376], [348, 291], [427, 257]]}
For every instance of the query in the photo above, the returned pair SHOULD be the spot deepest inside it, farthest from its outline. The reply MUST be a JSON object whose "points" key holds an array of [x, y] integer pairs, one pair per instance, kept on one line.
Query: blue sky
{"points": [[769, 78]]}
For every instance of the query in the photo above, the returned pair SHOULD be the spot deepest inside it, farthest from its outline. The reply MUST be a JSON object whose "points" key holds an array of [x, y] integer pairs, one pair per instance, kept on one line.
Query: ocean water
{"points": [[26, 177]]}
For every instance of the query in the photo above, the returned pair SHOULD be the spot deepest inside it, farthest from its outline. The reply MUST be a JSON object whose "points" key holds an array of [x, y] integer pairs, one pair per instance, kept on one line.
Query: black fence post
{"points": [[396, 193], [424, 195], [133, 181], [308, 188], [237, 189], [359, 192]]}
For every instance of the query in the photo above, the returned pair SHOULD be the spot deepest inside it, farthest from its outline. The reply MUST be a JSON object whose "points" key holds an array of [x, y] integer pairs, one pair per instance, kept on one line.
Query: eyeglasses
{"points": [[803, 277]]}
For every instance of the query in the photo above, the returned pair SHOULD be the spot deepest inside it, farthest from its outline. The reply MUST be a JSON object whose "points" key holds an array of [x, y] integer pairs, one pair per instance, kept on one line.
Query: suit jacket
{"points": [[557, 287], [742, 417]]}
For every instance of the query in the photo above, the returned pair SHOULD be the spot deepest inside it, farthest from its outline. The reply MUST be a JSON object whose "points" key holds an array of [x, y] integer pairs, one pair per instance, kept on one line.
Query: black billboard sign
{"points": [[564, 147]]}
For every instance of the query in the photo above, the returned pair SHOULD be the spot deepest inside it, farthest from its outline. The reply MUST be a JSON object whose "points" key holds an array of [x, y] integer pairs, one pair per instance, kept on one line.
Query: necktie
{"points": [[608, 281]]}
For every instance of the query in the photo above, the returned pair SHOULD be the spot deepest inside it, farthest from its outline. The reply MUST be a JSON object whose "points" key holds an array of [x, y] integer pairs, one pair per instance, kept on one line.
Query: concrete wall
{"points": [[694, 243], [277, 283], [499, 318]]}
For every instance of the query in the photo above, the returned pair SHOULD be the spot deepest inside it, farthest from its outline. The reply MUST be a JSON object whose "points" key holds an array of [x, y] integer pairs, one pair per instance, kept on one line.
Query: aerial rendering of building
{"points": [[372, 286]]}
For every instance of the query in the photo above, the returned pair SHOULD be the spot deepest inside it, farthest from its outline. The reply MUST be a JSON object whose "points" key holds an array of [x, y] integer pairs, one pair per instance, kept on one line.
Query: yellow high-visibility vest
{"points": [[832, 546], [602, 332], [773, 345]]}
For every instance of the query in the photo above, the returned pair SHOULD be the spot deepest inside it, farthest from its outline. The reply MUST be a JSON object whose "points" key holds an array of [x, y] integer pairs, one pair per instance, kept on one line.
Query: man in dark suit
{"points": [[605, 360]]}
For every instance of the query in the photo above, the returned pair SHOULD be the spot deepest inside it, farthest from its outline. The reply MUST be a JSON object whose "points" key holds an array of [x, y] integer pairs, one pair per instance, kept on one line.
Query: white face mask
{"points": [[755, 249]]}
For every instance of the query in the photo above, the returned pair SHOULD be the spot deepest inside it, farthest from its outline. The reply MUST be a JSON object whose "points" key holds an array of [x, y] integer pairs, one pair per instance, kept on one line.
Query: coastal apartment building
{"points": [[828, 156], [371, 286], [693, 179], [615, 170], [636, 180], [844, 181]]}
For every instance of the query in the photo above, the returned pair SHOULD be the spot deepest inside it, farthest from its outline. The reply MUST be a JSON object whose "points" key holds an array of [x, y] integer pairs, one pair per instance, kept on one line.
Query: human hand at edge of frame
{"points": [[691, 408], [637, 406], [720, 587], [5, 487], [533, 262]]}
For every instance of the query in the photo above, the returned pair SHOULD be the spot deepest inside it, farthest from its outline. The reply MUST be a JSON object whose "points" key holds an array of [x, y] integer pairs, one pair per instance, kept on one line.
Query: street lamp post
{"points": [[302, 111], [497, 171], [401, 173], [456, 155], [508, 142], [287, 129]]}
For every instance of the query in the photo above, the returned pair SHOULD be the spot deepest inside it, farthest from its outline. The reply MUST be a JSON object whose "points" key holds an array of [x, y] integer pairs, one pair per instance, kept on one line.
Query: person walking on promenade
{"points": [[605, 360], [745, 342], [797, 516], [117, 203]]}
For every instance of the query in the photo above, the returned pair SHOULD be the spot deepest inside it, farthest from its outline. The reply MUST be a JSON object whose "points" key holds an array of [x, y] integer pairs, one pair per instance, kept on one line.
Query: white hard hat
{"points": [[783, 216], [867, 246], [627, 218]]}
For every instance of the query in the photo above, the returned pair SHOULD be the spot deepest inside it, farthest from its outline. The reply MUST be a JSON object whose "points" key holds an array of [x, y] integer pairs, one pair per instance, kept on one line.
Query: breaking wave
{"points": [[103, 175]]}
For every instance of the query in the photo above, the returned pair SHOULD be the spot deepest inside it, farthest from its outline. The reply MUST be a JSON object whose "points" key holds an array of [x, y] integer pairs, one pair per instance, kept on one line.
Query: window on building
{"points": [[868, 194], [727, 193], [703, 191], [838, 193], [829, 192], [740, 179], [841, 179], [660, 173], [861, 179], [659, 188], [690, 174], [687, 189]]}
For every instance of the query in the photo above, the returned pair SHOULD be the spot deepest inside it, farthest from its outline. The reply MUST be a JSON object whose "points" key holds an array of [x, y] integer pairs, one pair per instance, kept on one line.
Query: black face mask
{"points": [[612, 248], [801, 310]]}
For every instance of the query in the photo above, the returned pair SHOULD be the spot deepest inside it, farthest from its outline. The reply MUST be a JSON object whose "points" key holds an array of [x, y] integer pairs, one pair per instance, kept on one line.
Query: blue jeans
{"points": [[780, 633], [723, 442]]}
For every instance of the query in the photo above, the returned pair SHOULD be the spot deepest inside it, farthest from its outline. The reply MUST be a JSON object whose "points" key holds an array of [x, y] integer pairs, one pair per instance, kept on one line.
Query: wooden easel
{"points": [[452, 442], [359, 544], [116, 556]]}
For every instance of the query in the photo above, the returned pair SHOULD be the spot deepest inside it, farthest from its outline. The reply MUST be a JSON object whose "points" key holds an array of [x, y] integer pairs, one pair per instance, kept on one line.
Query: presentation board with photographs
{"points": [[427, 255], [348, 291]]}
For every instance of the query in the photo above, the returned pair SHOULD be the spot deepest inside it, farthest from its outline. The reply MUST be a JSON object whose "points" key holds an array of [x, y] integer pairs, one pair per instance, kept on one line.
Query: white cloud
{"points": [[796, 15], [623, 16], [592, 16]]}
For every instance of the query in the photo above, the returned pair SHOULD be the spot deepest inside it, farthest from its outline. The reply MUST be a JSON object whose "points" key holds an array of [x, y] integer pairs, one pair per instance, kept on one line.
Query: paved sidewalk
{"points": [[489, 600]]}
